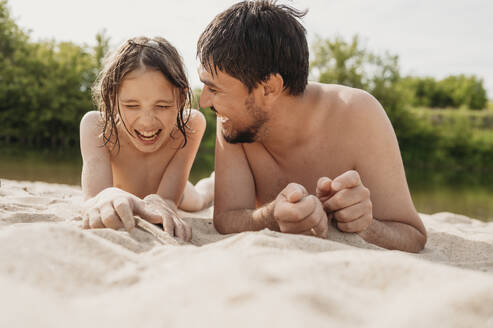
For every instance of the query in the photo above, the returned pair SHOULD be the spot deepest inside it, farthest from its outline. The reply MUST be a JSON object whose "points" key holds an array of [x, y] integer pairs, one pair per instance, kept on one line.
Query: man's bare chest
{"points": [[304, 166]]}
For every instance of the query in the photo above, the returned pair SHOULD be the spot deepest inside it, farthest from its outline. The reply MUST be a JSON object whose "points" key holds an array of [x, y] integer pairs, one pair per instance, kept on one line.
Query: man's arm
{"points": [[234, 191], [293, 210], [394, 235], [374, 200]]}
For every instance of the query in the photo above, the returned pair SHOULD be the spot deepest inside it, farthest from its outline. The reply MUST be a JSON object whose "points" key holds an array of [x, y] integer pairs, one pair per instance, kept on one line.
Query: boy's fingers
{"points": [[168, 225], [348, 179], [110, 218], [142, 210], [95, 219], [188, 230], [124, 211], [85, 222], [179, 229]]}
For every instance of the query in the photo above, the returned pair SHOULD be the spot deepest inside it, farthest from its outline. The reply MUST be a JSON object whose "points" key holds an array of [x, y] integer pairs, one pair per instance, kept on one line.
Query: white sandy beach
{"points": [[54, 274]]}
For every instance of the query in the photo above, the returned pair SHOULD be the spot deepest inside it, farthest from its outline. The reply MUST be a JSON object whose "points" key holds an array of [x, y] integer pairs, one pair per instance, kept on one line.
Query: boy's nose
{"points": [[148, 117]]}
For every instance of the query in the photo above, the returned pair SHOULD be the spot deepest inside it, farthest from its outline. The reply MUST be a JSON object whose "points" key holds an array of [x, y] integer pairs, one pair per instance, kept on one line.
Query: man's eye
{"points": [[212, 90]]}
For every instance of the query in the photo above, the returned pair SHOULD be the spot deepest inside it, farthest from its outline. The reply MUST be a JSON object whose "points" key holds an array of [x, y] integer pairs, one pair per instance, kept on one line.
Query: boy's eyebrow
{"points": [[135, 100]]}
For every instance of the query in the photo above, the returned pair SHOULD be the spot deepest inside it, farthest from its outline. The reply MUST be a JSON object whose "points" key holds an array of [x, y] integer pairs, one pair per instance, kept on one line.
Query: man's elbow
{"points": [[220, 225], [420, 241], [417, 241]]}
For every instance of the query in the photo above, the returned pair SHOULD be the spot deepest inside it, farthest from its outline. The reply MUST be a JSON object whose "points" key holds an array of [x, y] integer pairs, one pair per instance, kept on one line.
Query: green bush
{"points": [[44, 86], [453, 91]]}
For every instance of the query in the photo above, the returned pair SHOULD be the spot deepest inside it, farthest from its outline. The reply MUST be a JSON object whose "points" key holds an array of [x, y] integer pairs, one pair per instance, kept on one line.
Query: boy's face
{"points": [[239, 116], [148, 108]]}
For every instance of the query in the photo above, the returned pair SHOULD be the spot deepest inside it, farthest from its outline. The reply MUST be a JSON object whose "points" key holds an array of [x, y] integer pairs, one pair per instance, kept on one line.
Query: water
{"points": [[467, 193]]}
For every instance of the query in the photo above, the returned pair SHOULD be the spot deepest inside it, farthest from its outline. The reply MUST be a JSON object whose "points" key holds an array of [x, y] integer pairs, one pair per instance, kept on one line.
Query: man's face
{"points": [[239, 116]]}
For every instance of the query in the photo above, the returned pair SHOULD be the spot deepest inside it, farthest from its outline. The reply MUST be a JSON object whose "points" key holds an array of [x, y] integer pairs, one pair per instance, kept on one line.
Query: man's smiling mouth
{"points": [[222, 118]]}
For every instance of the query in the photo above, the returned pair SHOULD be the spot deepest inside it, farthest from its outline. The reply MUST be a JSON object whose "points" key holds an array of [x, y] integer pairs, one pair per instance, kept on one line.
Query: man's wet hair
{"points": [[254, 39]]}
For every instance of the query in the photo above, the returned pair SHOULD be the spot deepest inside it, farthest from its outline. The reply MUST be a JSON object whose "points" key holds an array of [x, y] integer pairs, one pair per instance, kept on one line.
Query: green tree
{"points": [[337, 61], [44, 85], [101, 48], [204, 161]]}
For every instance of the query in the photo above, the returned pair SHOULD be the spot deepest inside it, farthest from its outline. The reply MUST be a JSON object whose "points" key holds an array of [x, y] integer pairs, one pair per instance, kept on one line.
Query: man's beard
{"points": [[249, 134]]}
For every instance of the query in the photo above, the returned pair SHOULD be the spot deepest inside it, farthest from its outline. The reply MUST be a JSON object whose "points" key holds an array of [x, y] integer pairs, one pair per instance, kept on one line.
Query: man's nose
{"points": [[205, 99]]}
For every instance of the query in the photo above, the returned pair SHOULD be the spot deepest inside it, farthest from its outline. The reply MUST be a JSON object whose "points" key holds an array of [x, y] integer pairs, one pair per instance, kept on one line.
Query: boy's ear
{"points": [[273, 87]]}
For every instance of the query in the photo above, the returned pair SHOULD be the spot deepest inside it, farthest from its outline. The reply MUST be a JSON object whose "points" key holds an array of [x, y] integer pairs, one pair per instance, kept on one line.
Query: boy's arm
{"points": [[176, 175], [96, 167]]}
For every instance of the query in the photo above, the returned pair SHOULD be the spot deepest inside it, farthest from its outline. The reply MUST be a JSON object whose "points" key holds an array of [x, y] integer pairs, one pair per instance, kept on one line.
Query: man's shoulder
{"points": [[343, 96], [350, 103]]}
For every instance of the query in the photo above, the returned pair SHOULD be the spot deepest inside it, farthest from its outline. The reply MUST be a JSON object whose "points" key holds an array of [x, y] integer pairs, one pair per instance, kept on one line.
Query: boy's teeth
{"points": [[148, 134]]}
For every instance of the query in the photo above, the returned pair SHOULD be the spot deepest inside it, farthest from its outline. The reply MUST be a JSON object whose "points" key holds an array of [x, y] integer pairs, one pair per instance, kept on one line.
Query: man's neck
{"points": [[289, 123]]}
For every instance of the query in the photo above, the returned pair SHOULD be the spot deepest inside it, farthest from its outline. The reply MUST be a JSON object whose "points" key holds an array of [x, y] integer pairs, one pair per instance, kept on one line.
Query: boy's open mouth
{"points": [[148, 136]]}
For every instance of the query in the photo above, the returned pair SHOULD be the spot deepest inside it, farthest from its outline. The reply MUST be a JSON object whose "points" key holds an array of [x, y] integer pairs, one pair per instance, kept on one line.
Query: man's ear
{"points": [[272, 87]]}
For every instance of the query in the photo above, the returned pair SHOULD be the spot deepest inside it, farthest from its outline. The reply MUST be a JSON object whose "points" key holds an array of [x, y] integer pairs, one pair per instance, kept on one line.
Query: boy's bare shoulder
{"points": [[197, 120], [91, 121], [91, 126]]}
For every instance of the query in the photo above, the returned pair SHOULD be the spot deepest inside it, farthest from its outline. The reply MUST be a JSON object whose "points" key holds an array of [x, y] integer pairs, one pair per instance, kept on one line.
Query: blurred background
{"points": [[428, 63]]}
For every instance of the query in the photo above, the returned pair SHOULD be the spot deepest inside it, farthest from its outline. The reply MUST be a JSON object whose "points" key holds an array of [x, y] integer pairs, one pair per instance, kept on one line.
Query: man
{"points": [[291, 156]]}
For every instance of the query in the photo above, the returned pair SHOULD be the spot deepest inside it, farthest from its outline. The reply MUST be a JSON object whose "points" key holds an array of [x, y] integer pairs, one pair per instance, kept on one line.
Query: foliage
{"points": [[453, 91], [44, 86], [204, 161]]}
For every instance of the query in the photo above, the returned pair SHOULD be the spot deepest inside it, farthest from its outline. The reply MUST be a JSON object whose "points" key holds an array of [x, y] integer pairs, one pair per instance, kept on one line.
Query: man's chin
{"points": [[241, 137]]}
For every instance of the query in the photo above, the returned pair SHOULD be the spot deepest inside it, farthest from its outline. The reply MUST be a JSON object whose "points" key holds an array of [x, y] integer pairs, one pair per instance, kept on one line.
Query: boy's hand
{"points": [[114, 208], [298, 212], [348, 199], [172, 223]]}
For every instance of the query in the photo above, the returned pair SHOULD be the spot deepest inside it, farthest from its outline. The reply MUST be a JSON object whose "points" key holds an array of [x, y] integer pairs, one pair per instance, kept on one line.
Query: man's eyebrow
{"points": [[209, 83]]}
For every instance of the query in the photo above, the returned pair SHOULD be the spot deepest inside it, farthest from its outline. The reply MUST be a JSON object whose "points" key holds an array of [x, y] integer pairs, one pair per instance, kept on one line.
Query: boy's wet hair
{"points": [[254, 39], [140, 52]]}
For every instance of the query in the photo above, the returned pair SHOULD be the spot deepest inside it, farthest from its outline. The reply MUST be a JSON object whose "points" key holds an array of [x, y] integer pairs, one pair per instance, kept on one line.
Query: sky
{"points": [[431, 37]]}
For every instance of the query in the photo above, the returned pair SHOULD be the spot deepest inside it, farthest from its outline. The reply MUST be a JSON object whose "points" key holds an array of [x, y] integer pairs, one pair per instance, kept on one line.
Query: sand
{"points": [[54, 274]]}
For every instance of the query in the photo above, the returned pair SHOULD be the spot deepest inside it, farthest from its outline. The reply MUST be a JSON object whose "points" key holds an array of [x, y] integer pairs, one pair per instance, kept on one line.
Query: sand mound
{"points": [[54, 274]]}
